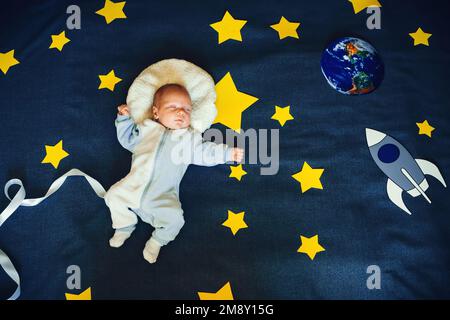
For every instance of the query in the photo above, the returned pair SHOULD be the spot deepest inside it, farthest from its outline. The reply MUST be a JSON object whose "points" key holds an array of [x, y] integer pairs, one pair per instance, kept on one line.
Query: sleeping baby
{"points": [[151, 189]]}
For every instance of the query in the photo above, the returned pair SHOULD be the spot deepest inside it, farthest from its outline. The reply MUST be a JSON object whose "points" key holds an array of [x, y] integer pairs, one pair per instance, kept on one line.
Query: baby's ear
{"points": [[155, 112]]}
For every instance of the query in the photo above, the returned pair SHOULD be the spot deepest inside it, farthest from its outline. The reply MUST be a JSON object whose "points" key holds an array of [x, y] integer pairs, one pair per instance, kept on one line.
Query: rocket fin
{"points": [[395, 194], [430, 169]]}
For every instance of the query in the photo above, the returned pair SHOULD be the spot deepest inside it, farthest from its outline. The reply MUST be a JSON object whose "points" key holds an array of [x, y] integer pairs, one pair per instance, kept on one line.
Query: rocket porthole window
{"points": [[388, 153]]}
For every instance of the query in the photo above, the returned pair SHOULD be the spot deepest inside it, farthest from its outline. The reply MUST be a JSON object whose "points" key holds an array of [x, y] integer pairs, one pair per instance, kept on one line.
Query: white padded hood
{"points": [[197, 81]]}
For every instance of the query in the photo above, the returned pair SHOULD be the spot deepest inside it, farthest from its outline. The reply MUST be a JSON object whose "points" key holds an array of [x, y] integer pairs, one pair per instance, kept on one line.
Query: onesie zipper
{"points": [[163, 139]]}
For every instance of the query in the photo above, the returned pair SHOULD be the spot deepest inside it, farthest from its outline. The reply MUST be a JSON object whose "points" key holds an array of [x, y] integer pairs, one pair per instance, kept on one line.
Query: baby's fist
{"points": [[123, 110], [237, 154]]}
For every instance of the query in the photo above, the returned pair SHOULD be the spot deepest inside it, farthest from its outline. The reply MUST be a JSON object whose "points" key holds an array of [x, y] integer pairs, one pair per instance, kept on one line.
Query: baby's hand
{"points": [[237, 154], [123, 110]]}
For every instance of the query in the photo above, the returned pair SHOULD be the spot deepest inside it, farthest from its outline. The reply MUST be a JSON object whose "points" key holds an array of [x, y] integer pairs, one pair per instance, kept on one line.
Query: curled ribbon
{"points": [[19, 200]]}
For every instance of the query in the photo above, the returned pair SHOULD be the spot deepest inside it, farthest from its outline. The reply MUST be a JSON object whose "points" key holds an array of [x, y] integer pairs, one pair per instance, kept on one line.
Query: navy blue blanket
{"points": [[52, 96]]}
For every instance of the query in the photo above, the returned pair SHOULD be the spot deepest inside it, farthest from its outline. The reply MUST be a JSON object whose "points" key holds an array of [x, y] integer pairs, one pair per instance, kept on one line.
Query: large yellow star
{"points": [[235, 221], [286, 29], [85, 295], [54, 154], [282, 115], [224, 293], [310, 246], [309, 177], [237, 172], [231, 103], [109, 80], [112, 11], [359, 5], [59, 41], [7, 60], [229, 28], [425, 128], [420, 37]]}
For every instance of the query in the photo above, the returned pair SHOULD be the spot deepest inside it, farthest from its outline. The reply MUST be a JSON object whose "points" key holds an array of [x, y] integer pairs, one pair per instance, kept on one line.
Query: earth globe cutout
{"points": [[352, 66]]}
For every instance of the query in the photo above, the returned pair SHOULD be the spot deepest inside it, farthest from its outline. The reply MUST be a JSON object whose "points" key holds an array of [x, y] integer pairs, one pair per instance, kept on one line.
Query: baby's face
{"points": [[173, 109]]}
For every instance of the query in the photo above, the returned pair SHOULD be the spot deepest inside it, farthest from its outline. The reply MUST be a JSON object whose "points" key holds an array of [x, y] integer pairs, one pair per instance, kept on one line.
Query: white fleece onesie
{"points": [[159, 161]]}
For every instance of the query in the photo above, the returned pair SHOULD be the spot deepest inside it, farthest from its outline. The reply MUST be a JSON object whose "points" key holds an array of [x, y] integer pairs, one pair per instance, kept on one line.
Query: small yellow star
{"points": [[7, 60], [286, 29], [231, 103], [359, 5], [282, 115], [59, 41], [237, 172], [235, 221], [85, 295], [229, 28], [108, 81], [309, 177], [112, 11], [425, 128], [310, 246], [420, 37], [224, 293], [54, 154]]}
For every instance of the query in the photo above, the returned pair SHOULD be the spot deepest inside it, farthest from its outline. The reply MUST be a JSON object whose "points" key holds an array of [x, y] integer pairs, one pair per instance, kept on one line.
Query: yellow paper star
{"points": [[235, 221], [109, 80], [7, 60], [231, 103], [229, 28], [223, 294], [282, 115], [59, 41], [425, 128], [54, 154], [112, 11], [310, 246], [420, 37], [286, 29], [85, 295], [359, 5], [237, 172], [309, 177]]}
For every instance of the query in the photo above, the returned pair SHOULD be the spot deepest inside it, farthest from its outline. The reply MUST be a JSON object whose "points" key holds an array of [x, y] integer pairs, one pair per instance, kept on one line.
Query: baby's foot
{"points": [[119, 238], [151, 250]]}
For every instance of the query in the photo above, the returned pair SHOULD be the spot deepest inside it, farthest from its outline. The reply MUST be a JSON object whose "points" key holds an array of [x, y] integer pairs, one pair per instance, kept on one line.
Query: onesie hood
{"points": [[197, 81]]}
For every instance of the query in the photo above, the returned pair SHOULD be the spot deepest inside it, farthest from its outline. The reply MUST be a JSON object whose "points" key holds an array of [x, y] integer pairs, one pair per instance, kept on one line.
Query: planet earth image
{"points": [[352, 66]]}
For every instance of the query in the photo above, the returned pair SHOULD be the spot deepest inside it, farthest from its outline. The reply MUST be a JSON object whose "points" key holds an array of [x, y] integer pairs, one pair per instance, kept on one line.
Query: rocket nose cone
{"points": [[373, 136]]}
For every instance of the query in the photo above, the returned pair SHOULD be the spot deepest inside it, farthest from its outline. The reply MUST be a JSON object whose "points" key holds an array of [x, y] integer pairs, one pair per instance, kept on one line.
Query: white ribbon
{"points": [[19, 200]]}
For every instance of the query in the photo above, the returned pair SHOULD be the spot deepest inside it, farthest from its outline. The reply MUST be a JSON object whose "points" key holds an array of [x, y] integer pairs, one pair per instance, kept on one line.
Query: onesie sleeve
{"points": [[206, 153], [127, 132]]}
